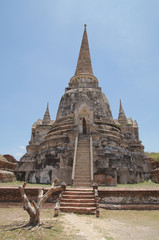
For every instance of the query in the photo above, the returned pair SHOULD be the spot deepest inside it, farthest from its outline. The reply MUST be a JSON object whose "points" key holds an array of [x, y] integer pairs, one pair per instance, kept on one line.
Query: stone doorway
{"points": [[83, 119], [84, 126]]}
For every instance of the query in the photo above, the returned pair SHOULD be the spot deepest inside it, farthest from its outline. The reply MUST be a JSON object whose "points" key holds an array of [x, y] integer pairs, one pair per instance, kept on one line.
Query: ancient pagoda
{"points": [[84, 144]]}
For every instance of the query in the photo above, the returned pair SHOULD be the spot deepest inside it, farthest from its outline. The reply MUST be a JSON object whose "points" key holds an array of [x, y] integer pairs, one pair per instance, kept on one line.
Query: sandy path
{"points": [[81, 226], [110, 228]]}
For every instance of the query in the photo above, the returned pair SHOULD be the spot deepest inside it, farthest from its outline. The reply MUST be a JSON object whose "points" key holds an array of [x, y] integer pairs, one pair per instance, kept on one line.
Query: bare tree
{"points": [[33, 208]]}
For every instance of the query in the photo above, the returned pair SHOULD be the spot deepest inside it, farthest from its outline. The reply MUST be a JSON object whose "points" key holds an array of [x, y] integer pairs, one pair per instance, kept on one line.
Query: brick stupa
{"points": [[84, 144]]}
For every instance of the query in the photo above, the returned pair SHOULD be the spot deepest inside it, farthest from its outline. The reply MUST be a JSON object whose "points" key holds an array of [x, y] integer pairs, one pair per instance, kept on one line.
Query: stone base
{"points": [[6, 176], [126, 176], [107, 177], [155, 175]]}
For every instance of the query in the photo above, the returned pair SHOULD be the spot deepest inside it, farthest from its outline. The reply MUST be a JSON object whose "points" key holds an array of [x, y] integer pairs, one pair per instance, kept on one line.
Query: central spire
{"points": [[84, 65], [83, 77]]}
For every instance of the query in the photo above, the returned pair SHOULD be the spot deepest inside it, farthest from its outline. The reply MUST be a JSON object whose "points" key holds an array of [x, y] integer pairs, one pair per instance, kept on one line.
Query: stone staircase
{"points": [[78, 201], [83, 166]]}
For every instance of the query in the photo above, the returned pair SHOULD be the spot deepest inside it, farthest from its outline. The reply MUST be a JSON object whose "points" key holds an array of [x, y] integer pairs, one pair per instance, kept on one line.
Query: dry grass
{"points": [[13, 223], [18, 183], [3, 159], [111, 225], [145, 185]]}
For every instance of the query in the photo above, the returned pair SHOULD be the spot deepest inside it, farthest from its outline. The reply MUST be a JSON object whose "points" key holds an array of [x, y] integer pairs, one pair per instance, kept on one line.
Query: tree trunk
{"points": [[35, 219], [33, 208]]}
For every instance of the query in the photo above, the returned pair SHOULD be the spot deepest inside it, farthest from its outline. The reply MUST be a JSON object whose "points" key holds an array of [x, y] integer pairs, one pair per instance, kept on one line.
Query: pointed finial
{"points": [[46, 119], [122, 117], [47, 109], [84, 65]]}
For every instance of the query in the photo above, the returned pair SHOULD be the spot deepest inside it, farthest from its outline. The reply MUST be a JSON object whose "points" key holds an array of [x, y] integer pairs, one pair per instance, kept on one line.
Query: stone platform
{"points": [[124, 199]]}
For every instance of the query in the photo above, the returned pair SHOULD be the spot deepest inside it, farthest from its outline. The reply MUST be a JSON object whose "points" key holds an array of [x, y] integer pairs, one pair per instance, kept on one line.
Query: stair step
{"points": [[81, 185], [84, 151], [81, 182], [83, 160], [82, 210], [65, 204], [83, 166], [77, 196], [80, 190], [78, 200], [83, 171], [83, 144], [81, 178], [78, 193], [80, 174], [74, 200]]}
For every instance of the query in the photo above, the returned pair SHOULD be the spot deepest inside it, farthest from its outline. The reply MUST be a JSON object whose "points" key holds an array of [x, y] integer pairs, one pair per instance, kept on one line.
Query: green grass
{"points": [[154, 155]]}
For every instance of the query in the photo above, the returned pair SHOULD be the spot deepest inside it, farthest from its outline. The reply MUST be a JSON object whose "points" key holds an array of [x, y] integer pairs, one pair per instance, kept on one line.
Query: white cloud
{"points": [[18, 154], [22, 147]]}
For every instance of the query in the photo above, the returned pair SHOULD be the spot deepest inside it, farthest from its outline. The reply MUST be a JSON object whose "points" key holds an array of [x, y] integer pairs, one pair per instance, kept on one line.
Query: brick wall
{"points": [[7, 165], [129, 199], [109, 199], [12, 194]]}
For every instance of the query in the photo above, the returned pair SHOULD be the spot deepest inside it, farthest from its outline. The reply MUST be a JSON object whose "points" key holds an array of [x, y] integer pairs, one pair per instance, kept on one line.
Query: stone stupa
{"points": [[84, 144]]}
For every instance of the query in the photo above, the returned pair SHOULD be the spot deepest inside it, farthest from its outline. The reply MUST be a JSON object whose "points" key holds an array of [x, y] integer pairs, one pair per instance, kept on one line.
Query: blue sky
{"points": [[39, 47]]}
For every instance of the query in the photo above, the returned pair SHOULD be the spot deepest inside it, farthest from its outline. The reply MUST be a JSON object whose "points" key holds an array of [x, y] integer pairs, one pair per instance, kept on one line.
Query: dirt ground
{"points": [[111, 225], [114, 225]]}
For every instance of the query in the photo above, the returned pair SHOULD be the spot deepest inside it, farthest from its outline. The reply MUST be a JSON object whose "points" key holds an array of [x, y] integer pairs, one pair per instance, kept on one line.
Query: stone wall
{"points": [[155, 171], [155, 175]]}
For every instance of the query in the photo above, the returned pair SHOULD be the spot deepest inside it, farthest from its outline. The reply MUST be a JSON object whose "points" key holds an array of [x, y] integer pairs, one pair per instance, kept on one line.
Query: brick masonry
{"points": [[12, 195], [109, 199], [7, 165], [129, 199]]}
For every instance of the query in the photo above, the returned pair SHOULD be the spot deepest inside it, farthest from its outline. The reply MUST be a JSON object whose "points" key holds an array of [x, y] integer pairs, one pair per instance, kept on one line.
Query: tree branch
{"points": [[48, 193]]}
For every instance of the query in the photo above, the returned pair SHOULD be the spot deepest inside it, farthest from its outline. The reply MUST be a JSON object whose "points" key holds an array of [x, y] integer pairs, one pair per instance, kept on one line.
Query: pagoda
{"points": [[84, 144]]}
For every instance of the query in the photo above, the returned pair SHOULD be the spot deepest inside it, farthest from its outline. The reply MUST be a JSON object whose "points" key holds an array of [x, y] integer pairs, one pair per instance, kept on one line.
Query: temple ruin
{"points": [[84, 144]]}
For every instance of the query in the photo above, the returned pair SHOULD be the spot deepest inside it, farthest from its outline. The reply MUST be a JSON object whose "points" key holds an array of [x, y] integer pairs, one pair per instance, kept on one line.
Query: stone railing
{"points": [[74, 159], [91, 158], [96, 198], [57, 207]]}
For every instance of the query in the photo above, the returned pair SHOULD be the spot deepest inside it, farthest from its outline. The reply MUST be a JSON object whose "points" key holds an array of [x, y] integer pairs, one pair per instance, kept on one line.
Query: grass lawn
{"points": [[154, 155], [145, 185]]}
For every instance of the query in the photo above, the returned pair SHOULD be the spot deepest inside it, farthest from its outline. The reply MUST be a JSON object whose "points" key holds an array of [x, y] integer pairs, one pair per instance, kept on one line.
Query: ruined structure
{"points": [[84, 144], [7, 166]]}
